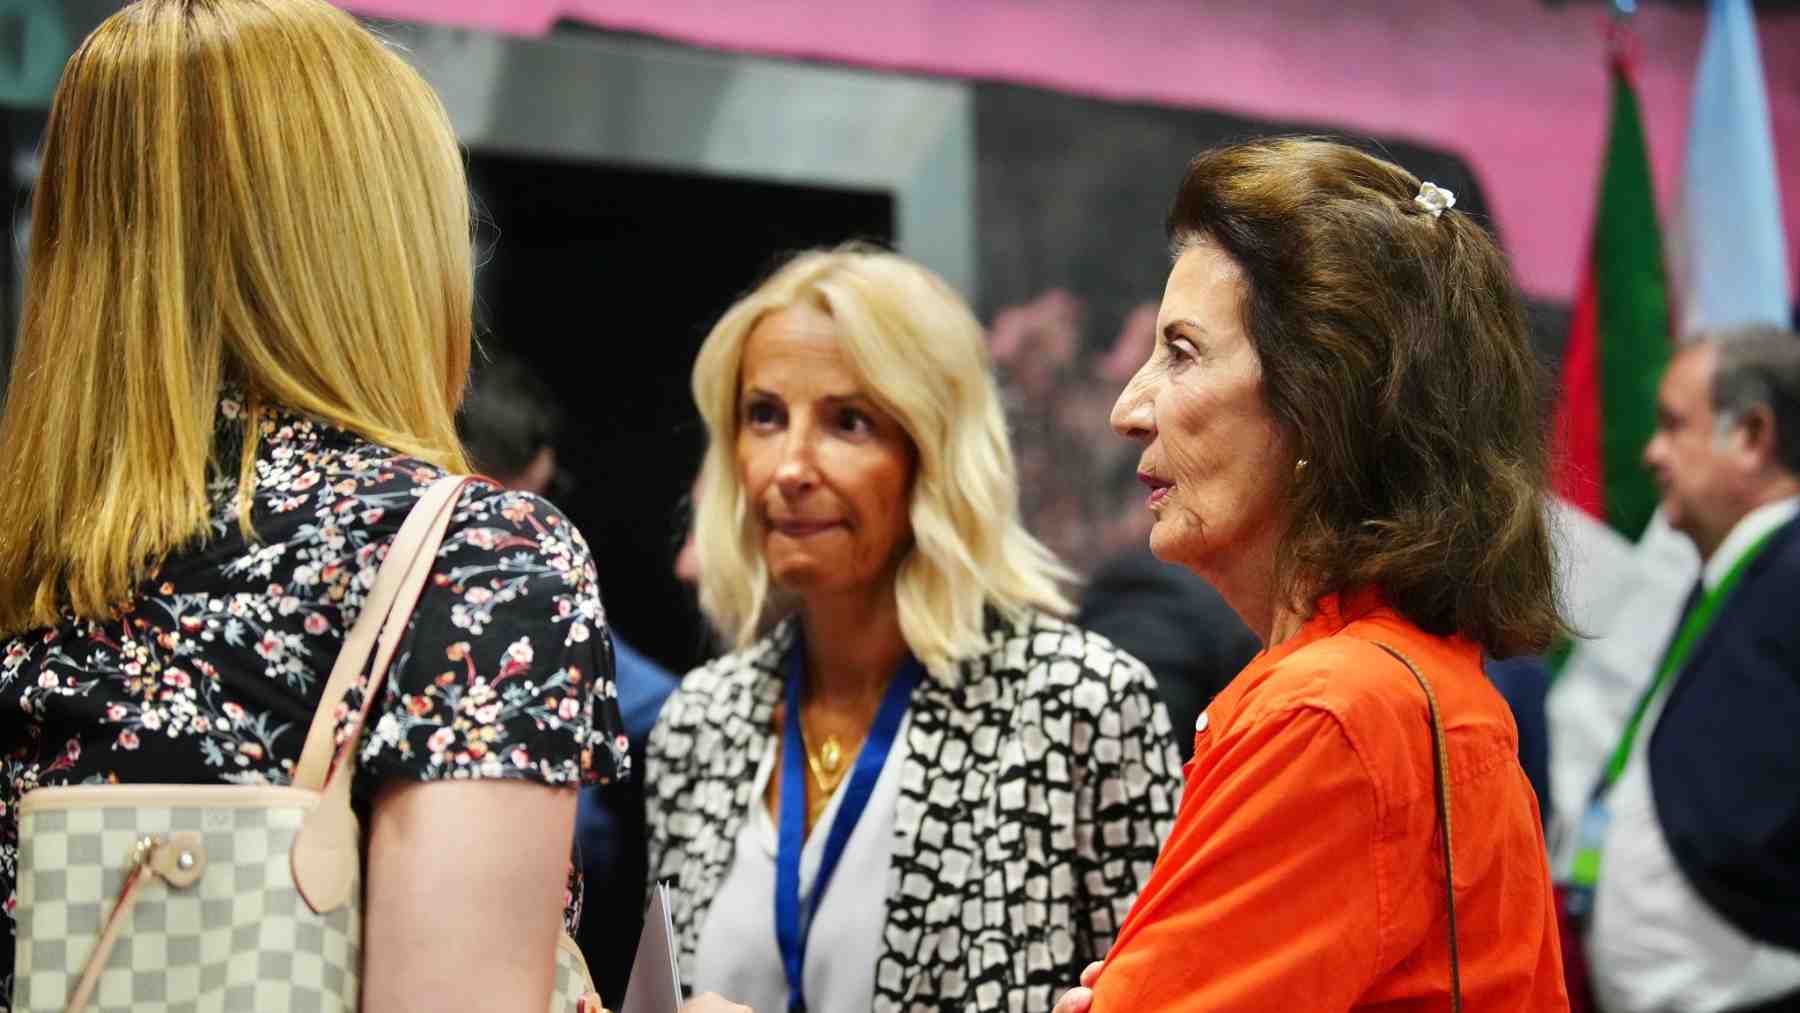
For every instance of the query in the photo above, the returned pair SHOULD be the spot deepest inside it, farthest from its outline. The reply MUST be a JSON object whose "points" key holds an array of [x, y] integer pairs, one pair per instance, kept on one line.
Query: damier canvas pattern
{"points": [[238, 939], [1038, 783]]}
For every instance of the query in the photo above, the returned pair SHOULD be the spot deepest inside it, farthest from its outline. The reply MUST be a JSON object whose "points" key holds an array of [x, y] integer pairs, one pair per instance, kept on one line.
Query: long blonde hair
{"points": [[255, 192], [922, 358]]}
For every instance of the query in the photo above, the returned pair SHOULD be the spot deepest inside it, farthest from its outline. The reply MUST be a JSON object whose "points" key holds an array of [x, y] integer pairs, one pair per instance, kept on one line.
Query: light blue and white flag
{"points": [[1730, 250]]}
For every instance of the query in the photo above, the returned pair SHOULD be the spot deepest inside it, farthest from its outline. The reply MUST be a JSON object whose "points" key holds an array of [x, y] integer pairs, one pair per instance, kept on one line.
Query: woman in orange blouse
{"points": [[1340, 432]]}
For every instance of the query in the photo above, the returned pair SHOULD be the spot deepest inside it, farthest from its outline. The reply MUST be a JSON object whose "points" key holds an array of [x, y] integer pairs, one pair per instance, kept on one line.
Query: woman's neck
{"points": [[853, 646], [1272, 612]]}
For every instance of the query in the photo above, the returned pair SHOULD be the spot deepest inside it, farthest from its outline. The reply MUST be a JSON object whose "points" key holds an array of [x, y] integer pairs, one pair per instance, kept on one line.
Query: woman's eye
{"points": [[1181, 350], [855, 422], [761, 413]]}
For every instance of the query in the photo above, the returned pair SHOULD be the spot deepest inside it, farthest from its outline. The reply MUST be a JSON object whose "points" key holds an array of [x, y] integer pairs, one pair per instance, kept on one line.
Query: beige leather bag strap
{"points": [[1441, 760], [326, 853], [353, 657]]}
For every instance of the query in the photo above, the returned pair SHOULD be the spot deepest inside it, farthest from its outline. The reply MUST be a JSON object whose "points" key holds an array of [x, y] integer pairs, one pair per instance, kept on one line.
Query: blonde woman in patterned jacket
{"points": [[912, 785]]}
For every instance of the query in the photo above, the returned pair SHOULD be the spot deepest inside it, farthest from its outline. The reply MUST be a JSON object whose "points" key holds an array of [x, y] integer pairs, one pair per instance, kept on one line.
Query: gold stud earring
{"points": [[1299, 466]]}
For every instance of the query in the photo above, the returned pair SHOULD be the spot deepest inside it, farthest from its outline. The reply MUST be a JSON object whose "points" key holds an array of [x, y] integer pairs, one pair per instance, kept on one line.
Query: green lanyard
{"points": [[1692, 630]]}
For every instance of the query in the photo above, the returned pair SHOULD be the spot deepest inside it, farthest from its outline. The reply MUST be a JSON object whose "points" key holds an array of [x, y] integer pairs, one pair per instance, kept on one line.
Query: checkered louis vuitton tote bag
{"points": [[227, 898]]}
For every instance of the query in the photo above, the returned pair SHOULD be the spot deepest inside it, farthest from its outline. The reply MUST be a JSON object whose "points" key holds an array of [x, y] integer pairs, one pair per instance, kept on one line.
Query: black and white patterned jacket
{"points": [[1038, 783]]}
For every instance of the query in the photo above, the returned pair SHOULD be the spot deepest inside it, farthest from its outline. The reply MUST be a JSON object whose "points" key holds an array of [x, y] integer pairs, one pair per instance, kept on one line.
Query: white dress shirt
{"points": [[1654, 943], [738, 956]]}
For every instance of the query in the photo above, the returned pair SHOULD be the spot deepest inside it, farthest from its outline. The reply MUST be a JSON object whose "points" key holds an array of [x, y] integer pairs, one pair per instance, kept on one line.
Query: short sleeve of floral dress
{"points": [[506, 670]]}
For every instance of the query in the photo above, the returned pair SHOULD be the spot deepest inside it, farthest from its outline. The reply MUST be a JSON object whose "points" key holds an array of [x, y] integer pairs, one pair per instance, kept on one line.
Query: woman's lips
{"points": [[801, 529], [1159, 488]]}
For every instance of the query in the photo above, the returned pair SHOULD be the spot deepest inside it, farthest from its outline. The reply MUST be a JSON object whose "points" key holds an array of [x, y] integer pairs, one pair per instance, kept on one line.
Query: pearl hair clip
{"points": [[1434, 199]]}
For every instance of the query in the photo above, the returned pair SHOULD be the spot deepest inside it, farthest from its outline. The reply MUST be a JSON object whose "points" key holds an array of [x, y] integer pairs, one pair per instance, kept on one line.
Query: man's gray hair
{"points": [[1760, 366]]}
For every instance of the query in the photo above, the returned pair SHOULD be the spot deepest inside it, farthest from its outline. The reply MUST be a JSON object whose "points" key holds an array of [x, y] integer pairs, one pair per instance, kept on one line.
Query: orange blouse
{"points": [[1305, 872]]}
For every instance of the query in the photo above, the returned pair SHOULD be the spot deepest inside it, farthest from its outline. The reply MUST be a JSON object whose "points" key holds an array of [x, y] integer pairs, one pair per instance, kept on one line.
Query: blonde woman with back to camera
{"points": [[246, 332], [911, 785]]}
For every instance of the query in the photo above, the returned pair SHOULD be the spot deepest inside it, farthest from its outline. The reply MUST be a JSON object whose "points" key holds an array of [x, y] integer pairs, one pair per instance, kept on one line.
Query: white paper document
{"points": [[655, 985]]}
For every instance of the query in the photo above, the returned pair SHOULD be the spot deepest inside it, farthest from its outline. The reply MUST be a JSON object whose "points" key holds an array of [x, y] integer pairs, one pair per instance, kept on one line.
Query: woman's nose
{"points": [[798, 472], [1133, 415]]}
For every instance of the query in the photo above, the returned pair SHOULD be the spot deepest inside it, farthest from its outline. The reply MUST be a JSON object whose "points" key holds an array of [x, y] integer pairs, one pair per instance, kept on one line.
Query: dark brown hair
{"points": [[1395, 351]]}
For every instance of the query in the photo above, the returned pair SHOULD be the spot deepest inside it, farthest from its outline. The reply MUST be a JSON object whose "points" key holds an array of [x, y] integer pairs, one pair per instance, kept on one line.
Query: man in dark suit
{"points": [[1694, 830]]}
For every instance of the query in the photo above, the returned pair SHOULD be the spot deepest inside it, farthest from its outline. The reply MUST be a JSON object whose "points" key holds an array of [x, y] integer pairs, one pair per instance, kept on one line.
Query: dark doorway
{"points": [[605, 280]]}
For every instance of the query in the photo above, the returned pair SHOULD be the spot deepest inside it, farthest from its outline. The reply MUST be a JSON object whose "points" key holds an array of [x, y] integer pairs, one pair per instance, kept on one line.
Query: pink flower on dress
{"points": [[440, 740], [316, 624], [569, 709], [128, 739], [521, 757], [177, 678], [233, 710]]}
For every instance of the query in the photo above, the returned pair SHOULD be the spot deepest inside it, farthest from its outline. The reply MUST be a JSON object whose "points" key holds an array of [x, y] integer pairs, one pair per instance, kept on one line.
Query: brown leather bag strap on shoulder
{"points": [[1441, 761]]}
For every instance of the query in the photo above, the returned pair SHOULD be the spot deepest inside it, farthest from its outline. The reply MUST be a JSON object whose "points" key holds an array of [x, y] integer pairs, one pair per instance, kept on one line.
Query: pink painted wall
{"points": [[1514, 86]]}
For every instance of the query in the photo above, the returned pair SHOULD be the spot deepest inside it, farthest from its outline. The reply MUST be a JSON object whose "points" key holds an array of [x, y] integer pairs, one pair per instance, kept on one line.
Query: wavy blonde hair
{"points": [[921, 356], [255, 192]]}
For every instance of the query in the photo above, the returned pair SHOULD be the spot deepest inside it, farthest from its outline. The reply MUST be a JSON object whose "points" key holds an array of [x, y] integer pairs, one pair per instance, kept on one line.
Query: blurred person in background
{"points": [[509, 422], [910, 785], [1339, 423], [1690, 848], [1173, 620], [246, 332]]}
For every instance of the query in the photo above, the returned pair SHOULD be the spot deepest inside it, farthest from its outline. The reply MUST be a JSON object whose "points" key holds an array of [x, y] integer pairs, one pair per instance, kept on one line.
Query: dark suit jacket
{"points": [[609, 832], [1177, 625], [1725, 755]]}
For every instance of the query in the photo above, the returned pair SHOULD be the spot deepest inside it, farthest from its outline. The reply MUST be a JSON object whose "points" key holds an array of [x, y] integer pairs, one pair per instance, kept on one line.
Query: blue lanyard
{"points": [[792, 924]]}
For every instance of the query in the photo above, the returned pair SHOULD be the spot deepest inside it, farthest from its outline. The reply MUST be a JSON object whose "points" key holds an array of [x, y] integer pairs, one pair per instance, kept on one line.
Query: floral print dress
{"points": [[212, 672]]}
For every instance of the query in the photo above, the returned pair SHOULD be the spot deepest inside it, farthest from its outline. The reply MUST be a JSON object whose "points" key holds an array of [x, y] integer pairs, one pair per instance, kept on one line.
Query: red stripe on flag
{"points": [[1580, 468]]}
